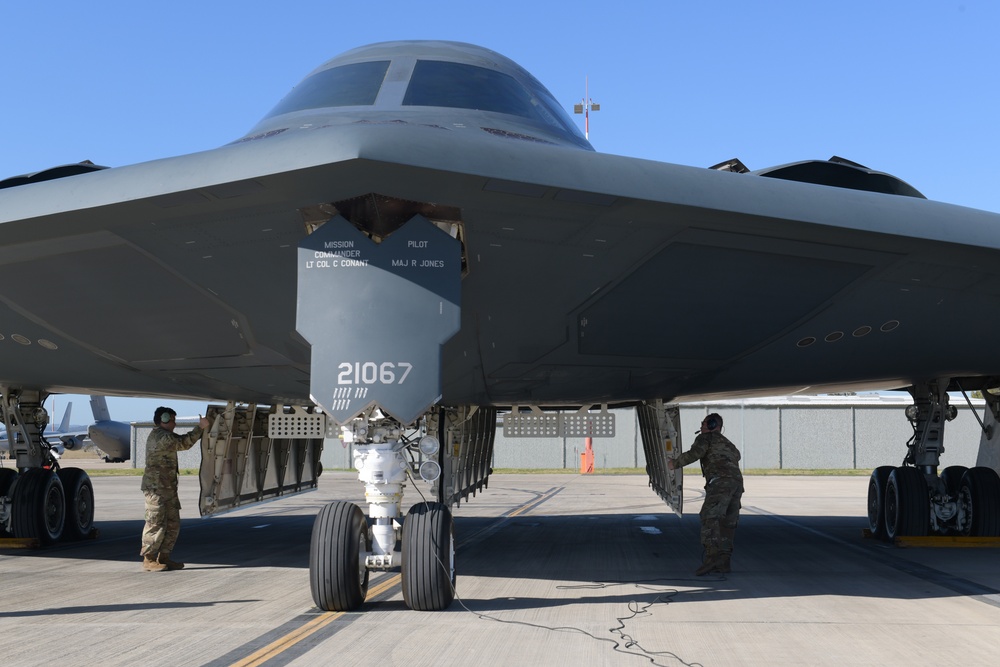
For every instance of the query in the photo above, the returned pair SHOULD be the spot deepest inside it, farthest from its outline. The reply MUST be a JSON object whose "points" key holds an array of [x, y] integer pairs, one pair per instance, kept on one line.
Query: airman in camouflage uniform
{"points": [[159, 486], [720, 512]]}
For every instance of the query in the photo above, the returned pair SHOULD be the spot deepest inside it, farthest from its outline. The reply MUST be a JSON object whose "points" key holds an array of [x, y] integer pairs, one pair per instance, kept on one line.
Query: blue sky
{"points": [[904, 87]]}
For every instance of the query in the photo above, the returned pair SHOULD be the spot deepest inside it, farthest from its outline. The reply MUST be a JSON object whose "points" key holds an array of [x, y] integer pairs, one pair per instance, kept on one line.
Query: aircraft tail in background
{"points": [[99, 406], [64, 424], [113, 439]]}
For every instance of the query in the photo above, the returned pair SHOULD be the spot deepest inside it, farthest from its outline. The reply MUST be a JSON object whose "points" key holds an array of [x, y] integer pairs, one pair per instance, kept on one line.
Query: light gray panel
{"points": [[761, 438], [529, 453], [336, 455], [816, 437], [881, 433]]}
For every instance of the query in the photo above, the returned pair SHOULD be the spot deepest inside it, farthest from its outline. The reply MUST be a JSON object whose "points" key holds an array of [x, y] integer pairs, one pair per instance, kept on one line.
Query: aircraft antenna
{"points": [[585, 107]]}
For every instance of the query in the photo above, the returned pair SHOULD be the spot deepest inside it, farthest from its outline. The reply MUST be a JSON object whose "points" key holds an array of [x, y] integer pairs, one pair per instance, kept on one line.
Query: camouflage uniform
{"points": [[720, 464], [159, 486]]}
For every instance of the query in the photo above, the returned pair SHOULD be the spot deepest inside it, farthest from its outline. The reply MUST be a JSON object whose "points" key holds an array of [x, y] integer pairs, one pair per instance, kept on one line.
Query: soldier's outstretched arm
{"points": [[698, 450], [188, 440]]}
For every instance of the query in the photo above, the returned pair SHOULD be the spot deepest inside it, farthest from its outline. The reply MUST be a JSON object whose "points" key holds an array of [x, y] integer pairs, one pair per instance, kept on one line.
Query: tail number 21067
{"points": [[370, 372]]}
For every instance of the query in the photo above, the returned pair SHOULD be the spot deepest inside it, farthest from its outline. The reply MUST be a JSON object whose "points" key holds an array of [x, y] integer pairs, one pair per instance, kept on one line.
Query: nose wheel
{"points": [[428, 566], [340, 543]]}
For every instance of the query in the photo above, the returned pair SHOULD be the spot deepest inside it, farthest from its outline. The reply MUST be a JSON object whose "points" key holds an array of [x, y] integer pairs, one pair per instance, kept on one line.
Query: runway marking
{"points": [[499, 522], [324, 619], [532, 504], [946, 541], [284, 643], [20, 543]]}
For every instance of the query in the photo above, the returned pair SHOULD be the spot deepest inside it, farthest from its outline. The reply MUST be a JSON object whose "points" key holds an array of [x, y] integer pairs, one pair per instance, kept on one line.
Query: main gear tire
{"points": [[979, 503], [951, 477], [876, 501], [907, 504], [7, 478], [79, 492], [38, 506]]}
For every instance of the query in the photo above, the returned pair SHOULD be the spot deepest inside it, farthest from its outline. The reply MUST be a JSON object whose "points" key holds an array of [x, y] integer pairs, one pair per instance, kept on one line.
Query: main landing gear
{"points": [[914, 500], [38, 499], [346, 546]]}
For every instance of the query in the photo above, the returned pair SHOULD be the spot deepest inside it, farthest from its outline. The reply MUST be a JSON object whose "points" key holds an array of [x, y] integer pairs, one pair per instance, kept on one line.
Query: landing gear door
{"points": [[989, 442], [672, 447], [659, 426], [376, 315]]}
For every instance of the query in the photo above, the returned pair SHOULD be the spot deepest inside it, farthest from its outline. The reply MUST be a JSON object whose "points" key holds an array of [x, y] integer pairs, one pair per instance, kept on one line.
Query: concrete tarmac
{"points": [[552, 570]]}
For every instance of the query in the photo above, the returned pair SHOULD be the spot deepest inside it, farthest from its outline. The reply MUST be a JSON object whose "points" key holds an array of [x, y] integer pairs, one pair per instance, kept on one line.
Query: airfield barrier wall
{"points": [[810, 434]]}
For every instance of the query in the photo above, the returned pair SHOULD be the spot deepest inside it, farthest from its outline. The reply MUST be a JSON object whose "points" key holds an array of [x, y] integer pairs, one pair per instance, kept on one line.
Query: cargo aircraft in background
{"points": [[66, 436], [418, 241], [112, 440]]}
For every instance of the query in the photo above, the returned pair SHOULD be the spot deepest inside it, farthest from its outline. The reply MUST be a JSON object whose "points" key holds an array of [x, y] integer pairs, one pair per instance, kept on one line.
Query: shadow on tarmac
{"points": [[653, 555]]}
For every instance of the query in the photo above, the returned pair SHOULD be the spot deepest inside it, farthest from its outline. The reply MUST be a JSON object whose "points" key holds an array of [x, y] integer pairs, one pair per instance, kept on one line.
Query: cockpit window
{"points": [[446, 84], [348, 85]]}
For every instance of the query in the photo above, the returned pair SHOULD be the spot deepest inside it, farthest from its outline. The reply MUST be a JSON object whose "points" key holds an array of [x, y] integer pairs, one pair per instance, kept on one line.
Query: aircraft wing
{"points": [[588, 277]]}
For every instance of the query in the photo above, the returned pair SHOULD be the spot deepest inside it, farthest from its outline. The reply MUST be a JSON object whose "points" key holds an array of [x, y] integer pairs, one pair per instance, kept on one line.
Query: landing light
{"points": [[429, 445], [430, 471]]}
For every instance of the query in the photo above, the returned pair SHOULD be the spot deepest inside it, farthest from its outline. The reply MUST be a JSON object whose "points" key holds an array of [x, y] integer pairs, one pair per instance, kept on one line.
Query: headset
{"points": [[164, 415], [712, 422]]}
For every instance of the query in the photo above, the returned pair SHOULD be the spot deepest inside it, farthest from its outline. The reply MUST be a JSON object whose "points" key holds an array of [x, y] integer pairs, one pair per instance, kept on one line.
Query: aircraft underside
{"points": [[385, 391], [391, 386]]}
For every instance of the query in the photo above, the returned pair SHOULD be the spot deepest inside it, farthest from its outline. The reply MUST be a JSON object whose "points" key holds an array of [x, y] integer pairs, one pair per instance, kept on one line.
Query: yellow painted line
{"points": [[20, 543], [383, 586], [939, 540], [282, 644], [947, 541], [527, 507]]}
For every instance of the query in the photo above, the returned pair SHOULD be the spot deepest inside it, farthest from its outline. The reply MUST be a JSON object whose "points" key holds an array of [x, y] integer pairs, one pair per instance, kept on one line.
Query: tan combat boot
{"points": [[151, 564], [164, 560], [710, 564], [722, 564]]}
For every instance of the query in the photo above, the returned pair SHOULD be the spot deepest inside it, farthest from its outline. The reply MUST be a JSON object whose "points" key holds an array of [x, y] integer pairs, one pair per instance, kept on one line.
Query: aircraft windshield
{"points": [[446, 84], [433, 83], [348, 85]]}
